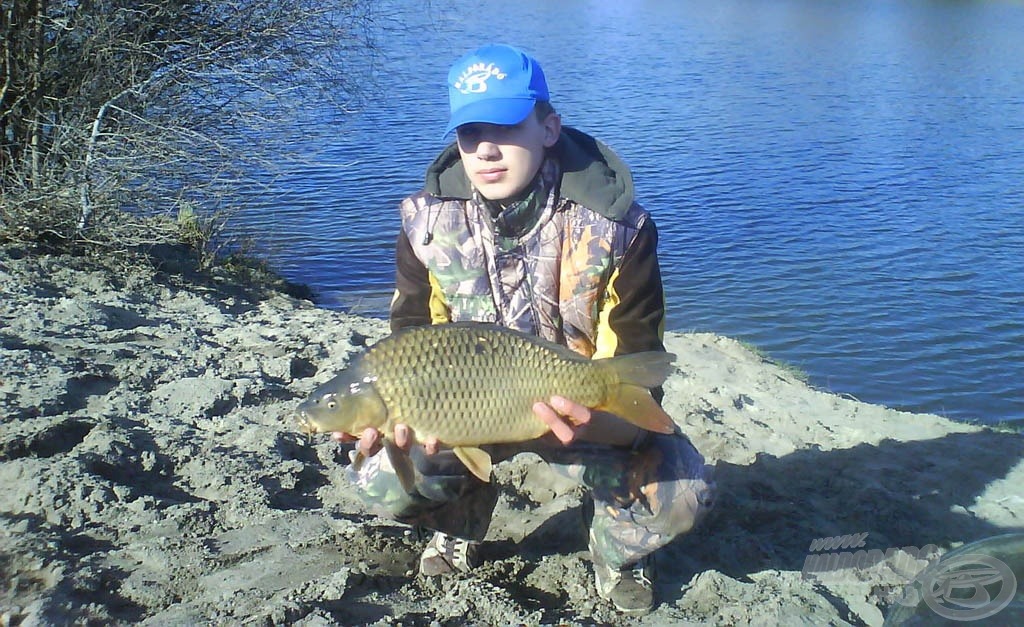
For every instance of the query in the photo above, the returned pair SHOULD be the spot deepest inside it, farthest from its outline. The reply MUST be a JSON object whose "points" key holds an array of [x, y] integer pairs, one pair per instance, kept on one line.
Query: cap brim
{"points": [[495, 111]]}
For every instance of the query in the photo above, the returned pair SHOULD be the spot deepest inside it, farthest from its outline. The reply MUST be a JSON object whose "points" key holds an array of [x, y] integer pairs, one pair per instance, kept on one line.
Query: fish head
{"points": [[348, 403]]}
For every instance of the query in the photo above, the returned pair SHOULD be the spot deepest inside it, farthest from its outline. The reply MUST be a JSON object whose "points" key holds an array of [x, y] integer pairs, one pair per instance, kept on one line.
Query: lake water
{"points": [[838, 183]]}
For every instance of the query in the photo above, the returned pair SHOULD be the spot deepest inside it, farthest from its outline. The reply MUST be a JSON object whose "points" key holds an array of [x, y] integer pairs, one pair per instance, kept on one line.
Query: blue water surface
{"points": [[839, 183]]}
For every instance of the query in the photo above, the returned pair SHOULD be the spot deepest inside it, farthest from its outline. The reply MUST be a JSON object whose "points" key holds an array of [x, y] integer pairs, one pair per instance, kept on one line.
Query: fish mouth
{"points": [[306, 424]]}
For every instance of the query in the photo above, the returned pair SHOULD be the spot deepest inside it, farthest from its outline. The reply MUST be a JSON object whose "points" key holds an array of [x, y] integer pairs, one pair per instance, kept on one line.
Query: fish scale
{"points": [[476, 383]]}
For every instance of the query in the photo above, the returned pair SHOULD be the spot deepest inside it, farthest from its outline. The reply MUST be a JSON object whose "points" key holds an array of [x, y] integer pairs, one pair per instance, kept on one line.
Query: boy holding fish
{"points": [[529, 225]]}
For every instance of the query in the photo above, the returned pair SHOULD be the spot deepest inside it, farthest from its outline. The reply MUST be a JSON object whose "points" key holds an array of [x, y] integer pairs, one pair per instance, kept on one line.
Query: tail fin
{"points": [[629, 397], [647, 370]]}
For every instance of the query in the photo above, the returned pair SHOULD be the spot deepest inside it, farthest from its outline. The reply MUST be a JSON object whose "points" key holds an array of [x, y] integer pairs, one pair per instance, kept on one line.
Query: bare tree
{"points": [[116, 110]]}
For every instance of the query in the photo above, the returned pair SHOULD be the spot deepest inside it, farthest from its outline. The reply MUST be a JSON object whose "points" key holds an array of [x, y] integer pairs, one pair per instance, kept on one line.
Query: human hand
{"points": [[369, 442], [570, 422], [567, 420]]}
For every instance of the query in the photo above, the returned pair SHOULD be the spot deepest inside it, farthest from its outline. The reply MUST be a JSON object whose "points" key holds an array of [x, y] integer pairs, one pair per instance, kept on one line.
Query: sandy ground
{"points": [[150, 474]]}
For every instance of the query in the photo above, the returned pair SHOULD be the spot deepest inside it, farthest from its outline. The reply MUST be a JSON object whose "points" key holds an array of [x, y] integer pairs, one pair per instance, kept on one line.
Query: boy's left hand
{"points": [[570, 422], [567, 420]]}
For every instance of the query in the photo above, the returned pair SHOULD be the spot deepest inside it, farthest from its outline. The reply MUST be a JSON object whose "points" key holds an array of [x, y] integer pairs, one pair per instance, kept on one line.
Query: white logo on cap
{"points": [[474, 79]]}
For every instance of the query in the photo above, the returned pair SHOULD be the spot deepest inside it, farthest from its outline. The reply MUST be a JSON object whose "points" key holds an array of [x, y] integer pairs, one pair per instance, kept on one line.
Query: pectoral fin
{"points": [[402, 464], [478, 461], [356, 458]]}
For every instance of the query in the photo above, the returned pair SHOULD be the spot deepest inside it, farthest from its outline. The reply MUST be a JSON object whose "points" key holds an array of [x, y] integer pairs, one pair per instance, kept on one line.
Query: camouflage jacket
{"points": [[585, 275]]}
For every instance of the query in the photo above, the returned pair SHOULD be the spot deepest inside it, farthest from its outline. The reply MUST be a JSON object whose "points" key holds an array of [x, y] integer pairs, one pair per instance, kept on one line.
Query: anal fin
{"points": [[476, 460]]}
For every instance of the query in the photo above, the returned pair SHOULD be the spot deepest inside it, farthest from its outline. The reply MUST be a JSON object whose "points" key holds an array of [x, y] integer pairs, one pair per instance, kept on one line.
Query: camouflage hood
{"points": [[592, 175]]}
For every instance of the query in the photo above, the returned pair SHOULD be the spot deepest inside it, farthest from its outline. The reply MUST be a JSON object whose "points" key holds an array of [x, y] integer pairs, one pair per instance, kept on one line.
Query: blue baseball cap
{"points": [[497, 84]]}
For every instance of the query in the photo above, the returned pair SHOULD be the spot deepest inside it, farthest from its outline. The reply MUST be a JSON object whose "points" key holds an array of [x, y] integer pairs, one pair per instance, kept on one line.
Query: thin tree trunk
{"points": [[90, 153], [38, 11], [8, 35]]}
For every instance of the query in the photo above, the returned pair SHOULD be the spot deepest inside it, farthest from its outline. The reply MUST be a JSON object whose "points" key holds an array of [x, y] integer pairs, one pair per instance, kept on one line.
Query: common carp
{"points": [[470, 384]]}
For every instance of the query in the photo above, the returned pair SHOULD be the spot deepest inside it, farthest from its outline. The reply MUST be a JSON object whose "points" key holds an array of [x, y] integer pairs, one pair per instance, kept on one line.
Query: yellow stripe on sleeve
{"points": [[439, 311], [607, 340]]}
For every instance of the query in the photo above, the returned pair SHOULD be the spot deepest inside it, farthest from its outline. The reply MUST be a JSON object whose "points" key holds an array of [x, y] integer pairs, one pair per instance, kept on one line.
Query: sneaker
{"points": [[446, 554], [628, 589]]}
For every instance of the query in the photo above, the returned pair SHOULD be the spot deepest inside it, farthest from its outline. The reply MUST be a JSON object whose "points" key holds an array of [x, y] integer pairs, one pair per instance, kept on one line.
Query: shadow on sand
{"points": [[900, 493]]}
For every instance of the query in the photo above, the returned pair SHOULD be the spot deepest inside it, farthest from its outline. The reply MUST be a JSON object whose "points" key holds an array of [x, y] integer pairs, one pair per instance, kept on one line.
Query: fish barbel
{"points": [[470, 384]]}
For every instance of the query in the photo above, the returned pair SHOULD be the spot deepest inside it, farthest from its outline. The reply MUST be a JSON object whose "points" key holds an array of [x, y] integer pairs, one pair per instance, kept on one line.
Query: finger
{"points": [[559, 427], [431, 446], [369, 441], [578, 414], [403, 438]]}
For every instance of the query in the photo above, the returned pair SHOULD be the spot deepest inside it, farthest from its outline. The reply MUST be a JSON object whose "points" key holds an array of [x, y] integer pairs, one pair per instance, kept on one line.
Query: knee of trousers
{"points": [[682, 490], [380, 488], [681, 507]]}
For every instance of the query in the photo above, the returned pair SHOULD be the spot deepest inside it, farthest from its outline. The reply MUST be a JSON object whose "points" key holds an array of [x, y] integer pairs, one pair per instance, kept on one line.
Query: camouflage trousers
{"points": [[643, 497]]}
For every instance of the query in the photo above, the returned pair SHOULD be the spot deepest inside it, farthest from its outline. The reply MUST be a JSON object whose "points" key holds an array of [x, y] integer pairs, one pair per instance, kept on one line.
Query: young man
{"points": [[533, 226]]}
